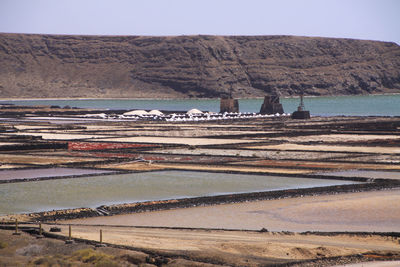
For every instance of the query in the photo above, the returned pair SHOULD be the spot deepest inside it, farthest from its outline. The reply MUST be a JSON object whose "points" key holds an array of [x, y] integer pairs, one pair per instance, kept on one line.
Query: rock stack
{"points": [[271, 105], [228, 104], [301, 113]]}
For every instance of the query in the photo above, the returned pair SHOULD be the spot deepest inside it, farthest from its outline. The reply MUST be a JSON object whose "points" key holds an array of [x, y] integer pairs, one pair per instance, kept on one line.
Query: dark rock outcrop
{"points": [[228, 104], [271, 105], [194, 66]]}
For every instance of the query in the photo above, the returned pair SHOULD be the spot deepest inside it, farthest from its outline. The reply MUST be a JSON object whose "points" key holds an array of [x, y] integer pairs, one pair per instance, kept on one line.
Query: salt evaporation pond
{"points": [[135, 187]]}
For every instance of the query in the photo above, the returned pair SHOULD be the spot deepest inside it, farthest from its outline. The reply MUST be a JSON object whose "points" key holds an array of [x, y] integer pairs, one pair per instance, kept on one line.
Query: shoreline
{"points": [[177, 99]]}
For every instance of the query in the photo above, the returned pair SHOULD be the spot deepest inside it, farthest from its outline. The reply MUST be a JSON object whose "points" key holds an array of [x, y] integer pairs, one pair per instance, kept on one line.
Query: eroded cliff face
{"points": [[193, 66]]}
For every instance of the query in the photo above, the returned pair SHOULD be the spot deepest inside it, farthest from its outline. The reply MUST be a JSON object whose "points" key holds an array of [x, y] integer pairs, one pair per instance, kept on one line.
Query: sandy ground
{"points": [[238, 243], [365, 211]]}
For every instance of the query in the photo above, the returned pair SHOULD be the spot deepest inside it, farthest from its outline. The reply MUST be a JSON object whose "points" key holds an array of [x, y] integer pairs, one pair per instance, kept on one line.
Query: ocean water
{"points": [[366, 105], [135, 187]]}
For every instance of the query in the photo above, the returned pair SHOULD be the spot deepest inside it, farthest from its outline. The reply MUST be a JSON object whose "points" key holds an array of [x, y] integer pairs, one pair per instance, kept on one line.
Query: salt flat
{"points": [[376, 211]]}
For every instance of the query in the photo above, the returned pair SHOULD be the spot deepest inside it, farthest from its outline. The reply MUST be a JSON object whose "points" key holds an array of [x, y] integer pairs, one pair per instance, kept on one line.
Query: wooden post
{"points": [[69, 240], [101, 240], [40, 234], [16, 228]]}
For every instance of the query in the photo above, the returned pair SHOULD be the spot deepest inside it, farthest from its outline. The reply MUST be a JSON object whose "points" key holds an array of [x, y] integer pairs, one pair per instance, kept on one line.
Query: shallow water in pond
{"points": [[134, 187]]}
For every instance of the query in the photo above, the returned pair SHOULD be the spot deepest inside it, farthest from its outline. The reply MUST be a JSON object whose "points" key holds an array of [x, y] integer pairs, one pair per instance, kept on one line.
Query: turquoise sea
{"points": [[366, 105]]}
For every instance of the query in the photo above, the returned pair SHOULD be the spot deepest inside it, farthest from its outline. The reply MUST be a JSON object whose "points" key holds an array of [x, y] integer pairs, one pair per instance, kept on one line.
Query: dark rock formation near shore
{"points": [[34, 66]]}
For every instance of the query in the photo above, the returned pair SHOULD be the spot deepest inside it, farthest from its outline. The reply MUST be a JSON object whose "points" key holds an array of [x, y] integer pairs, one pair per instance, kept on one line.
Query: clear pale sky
{"points": [[360, 19]]}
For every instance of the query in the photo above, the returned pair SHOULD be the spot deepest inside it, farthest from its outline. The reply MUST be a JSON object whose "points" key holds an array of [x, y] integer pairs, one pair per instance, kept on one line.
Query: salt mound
{"points": [[194, 111], [156, 112], [138, 112]]}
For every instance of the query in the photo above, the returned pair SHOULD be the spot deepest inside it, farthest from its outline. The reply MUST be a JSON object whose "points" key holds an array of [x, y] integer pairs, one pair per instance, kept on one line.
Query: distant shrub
{"points": [[55, 260], [94, 257], [84, 257], [106, 263]]}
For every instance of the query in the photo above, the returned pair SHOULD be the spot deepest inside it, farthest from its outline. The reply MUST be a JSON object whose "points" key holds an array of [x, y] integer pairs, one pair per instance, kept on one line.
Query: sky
{"points": [[359, 19]]}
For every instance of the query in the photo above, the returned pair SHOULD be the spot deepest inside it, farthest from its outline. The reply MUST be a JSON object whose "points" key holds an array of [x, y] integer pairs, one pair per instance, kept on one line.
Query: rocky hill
{"points": [[34, 66]]}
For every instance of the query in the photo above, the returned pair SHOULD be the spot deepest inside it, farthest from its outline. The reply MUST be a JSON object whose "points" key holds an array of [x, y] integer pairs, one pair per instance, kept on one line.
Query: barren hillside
{"points": [[193, 66]]}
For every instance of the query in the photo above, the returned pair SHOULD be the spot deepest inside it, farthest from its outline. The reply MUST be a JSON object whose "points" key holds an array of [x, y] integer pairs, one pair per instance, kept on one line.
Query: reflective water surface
{"points": [[124, 188], [360, 105]]}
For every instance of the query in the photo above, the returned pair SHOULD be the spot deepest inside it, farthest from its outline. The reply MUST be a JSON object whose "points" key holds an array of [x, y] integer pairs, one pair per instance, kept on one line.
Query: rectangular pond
{"points": [[34, 196]]}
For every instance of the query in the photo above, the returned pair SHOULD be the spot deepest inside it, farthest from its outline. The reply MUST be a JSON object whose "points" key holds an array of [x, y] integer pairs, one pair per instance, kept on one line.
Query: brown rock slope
{"points": [[193, 66]]}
